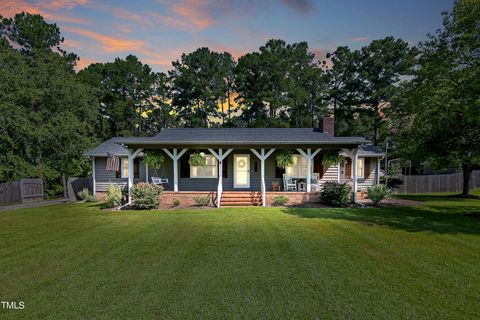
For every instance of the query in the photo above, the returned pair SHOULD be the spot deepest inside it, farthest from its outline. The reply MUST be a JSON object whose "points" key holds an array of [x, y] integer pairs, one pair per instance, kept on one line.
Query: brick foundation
{"points": [[185, 197], [293, 197]]}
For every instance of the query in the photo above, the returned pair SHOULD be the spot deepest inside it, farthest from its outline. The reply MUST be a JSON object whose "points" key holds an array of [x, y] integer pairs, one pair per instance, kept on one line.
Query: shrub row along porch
{"points": [[238, 159]]}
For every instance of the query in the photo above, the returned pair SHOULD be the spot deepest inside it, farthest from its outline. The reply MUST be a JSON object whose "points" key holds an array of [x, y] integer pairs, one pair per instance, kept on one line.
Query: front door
{"points": [[241, 171]]}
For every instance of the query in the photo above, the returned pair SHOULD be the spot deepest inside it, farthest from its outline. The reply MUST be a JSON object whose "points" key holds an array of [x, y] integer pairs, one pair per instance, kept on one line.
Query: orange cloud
{"points": [[84, 62], [109, 43], [359, 39], [131, 16], [61, 4], [8, 8], [170, 21], [194, 11]]}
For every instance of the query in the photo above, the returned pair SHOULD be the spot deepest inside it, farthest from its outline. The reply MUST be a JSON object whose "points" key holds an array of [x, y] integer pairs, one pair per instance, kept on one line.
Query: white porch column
{"points": [[263, 156], [175, 155], [353, 154], [131, 157], [355, 178], [146, 172], [220, 156], [377, 171], [94, 188], [309, 156]]}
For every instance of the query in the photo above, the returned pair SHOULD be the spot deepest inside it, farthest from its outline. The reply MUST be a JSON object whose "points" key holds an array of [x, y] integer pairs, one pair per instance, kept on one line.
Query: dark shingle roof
{"points": [[243, 136], [225, 136], [108, 147]]}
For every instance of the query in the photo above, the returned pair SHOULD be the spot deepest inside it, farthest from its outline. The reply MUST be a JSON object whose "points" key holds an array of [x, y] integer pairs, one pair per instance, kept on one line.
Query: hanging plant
{"points": [[285, 158], [330, 159], [197, 160], [154, 159]]}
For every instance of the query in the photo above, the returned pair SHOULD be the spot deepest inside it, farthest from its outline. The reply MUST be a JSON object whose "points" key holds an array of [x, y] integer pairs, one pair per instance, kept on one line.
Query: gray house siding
{"points": [[104, 177]]}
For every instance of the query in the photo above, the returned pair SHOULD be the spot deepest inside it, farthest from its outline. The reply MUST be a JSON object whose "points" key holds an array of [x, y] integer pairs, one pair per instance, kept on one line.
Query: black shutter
{"points": [[184, 166], [136, 168], [225, 168], [279, 172], [117, 172], [318, 165], [366, 169]]}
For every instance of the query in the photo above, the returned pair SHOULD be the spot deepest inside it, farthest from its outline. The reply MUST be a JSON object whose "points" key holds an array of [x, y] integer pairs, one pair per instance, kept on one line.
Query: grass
{"points": [[74, 261]]}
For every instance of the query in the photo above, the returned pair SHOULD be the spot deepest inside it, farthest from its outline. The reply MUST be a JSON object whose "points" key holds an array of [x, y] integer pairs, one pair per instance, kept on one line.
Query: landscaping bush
{"points": [[377, 193], [87, 196], [393, 182], [114, 196], [336, 194], [145, 196], [202, 201], [176, 202], [279, 201]]}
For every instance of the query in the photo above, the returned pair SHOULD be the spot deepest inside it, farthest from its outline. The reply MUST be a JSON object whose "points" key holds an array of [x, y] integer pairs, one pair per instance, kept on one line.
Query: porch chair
{"points": [[289, 184], [316, 186]]}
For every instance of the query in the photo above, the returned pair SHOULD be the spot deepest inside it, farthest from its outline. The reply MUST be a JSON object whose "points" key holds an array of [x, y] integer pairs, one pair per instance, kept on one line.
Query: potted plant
{"points": [[331, 158], [285, 158], [154, 159], [197, 160]]}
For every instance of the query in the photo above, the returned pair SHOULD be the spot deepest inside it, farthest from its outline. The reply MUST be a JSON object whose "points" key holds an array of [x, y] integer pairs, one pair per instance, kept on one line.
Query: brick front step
{"points": [[241, 198]]}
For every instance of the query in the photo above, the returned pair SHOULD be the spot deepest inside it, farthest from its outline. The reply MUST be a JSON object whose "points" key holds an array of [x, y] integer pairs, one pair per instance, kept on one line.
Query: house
{"points": [[241, 163]]}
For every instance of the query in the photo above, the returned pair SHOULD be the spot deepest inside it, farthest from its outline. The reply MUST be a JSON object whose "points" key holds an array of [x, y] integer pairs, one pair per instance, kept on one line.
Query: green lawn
{"points": [[75, 261]]}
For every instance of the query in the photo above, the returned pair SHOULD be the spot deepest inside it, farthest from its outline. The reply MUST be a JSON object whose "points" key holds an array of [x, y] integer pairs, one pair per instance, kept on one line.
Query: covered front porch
{"points": [[242, 170]]}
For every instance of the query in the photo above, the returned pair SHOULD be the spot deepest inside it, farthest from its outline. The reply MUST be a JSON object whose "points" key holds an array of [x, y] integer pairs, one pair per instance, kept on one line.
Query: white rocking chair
{"points": [[316, 186], [289, 184]]}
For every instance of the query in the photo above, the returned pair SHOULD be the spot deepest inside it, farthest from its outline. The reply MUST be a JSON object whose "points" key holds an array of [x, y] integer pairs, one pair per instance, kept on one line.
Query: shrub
{"points": [[201, 201], [279, 201], [393, 182], [87, 196], [176, 202], [377, 193], [335, 194], [114, 196], [145, 196], [197, 160]]}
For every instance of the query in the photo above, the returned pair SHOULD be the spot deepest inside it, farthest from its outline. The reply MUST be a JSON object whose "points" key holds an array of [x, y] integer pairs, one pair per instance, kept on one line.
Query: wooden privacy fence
{"points": [[438, 183], [24, 191], [75, 185]]}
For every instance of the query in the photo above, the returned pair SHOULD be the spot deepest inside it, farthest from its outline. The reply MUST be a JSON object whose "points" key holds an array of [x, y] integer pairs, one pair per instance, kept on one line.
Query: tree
{"points": [[30, 32], [380, 66], [436, 115], [125, 87], [280, 85], [201, 81], [45, 115]]}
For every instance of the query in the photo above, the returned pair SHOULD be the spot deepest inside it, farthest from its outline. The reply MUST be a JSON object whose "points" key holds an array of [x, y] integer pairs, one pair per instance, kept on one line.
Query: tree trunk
{"points": [[64, 183], [467, 172]]}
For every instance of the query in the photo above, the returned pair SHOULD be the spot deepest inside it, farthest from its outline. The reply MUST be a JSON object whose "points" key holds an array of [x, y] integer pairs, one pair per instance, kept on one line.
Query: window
{"points": [[124, 168], [299, 167], [360, 166], [209, 171]]}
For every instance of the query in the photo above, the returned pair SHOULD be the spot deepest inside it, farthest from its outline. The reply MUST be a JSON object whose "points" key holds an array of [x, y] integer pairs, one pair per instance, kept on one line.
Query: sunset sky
{"points": [[159, 31]]}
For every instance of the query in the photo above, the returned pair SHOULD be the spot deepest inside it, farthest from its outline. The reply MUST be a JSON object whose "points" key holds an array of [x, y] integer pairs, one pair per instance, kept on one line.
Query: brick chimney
{"points": [[328, 125]]}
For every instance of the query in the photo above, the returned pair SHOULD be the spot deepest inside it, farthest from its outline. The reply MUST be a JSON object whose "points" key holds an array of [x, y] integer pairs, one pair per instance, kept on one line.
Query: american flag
{"points": [[113, 163]]}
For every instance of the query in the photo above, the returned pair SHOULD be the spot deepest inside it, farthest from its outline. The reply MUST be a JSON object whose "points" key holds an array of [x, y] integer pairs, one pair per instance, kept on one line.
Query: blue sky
{"points": [[159, 31]]}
